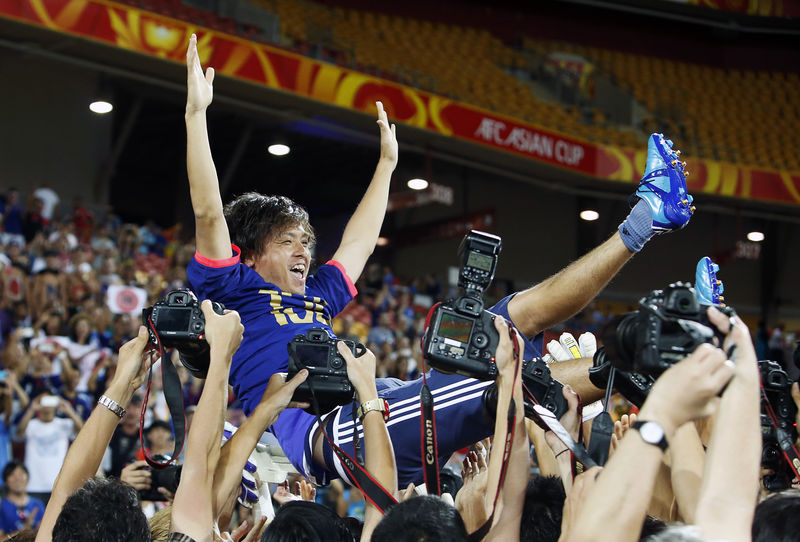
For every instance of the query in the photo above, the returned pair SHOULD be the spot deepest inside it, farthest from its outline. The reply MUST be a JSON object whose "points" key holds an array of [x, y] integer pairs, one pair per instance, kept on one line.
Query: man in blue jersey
{"points": [[253, 255]]}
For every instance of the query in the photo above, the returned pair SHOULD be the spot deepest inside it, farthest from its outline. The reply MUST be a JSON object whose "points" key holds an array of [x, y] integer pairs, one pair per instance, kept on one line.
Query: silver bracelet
{"points": [[111, 405]]}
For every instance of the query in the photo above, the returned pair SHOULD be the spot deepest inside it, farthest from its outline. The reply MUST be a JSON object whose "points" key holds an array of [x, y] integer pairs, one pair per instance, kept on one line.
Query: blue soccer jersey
{"points": [[533, 347], [271, 318]]}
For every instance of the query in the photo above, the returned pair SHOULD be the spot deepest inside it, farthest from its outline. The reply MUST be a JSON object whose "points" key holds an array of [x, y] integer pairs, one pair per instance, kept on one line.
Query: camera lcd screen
{"points": [[312, 355], [481, 261], [173, 319], [454, 327]]}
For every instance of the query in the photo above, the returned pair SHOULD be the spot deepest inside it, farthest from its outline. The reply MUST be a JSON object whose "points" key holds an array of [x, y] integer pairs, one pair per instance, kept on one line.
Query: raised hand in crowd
{"points": [[236, 450], [469, 500], [630, 474], [379, 454], [84, 456], [193, 509]]}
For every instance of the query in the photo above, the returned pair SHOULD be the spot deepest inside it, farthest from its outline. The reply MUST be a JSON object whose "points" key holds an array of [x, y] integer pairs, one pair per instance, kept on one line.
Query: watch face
{"points": [[651, 432]]}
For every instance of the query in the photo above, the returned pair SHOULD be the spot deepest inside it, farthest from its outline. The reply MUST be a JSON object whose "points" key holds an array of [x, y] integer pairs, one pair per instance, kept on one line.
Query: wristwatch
{"points": [[375, 404], [651, 433]]}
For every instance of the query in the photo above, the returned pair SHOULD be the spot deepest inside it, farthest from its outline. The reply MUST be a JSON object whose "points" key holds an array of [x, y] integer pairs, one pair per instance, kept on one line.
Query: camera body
{"points": [[179, 323], [668, 326], [778, 389], [168, 478], [460, 336], [327, 370], [537, 379], [633, 386]]}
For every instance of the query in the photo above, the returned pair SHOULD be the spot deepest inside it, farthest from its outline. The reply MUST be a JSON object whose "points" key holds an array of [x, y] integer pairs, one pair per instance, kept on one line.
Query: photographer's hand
{"points": [[136, 474], [361, 372], [131, 369], [223, 332]]}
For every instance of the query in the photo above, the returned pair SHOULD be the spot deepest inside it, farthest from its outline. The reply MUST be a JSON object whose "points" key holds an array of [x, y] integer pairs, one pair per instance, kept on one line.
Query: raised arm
{"points": [[238, 448], [730, 488], [192, 511], [361, 233], [629, 476], [378, 453], [506, 527], [213, 238], [84, 456]]}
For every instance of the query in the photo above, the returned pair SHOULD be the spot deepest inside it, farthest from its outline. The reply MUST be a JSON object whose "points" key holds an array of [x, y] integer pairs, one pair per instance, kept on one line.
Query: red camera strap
{"points": [[171, 384], [789, 448], [373, 491]]}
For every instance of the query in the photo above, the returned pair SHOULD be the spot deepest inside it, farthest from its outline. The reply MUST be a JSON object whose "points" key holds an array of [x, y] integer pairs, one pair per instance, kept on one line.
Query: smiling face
{"points": [[285, 259]]}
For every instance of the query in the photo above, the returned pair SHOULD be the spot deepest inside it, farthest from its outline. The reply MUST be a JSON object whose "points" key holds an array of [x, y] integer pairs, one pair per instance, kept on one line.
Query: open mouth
{"points": [[298, 270]]}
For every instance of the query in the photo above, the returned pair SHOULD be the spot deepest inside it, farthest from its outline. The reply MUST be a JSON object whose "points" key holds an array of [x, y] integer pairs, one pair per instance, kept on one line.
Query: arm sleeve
{"points": [[533, 346], [214, 279], [332, 284]]}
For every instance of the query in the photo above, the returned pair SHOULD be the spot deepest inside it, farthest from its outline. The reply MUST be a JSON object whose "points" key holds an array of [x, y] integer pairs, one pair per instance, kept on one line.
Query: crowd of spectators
{"points": [[61, 349]]}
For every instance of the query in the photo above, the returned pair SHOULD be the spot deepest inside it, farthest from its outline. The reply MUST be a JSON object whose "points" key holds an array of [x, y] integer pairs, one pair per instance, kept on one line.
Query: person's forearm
{"points": [[575, 372], [557, 298], [213, 239], [23, 423], [687, 462], [237, 449], [504, 394], [364, 227], [378, 458], [730, 487], [84, 456], [506, 525], [629, 476], [545, 458]]}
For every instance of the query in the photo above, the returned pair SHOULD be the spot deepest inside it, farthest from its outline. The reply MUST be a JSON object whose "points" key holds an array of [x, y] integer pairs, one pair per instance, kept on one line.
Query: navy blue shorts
{"points": [[460, 422]]}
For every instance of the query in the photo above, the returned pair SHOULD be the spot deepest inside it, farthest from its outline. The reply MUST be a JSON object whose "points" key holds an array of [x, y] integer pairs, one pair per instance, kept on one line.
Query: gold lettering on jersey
{"points": [[315, 309]]}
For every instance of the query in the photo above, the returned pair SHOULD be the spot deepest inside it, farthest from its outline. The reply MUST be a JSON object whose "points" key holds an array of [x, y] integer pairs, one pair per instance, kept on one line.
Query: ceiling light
{"points": [[382, 241], [418, 184], [278, 149], [101, 107], [755, 236], [589, 215]]}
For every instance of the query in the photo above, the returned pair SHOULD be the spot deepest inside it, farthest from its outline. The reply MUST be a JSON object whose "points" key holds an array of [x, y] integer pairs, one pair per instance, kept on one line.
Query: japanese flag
{"points": [[126, 299]]}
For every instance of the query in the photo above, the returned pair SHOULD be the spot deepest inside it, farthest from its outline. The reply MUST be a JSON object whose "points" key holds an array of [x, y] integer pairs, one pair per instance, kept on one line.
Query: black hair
{"points": [[421, 519], [354, 525], [10, 467], [777, 518], [253, 217], [302, 521], [541, 515], [652, 525], [103, 509]]}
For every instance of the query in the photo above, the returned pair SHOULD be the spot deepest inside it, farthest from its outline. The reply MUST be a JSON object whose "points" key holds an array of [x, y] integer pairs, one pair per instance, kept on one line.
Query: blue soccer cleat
{"points": [[707, 286], [663, 186]]}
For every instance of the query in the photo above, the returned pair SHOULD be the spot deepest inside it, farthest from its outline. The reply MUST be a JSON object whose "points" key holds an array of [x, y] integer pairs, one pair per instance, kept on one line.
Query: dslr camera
{"points": [[668, 326], [778, 389], [327, 371], [460, 337], [168, 478], [178, 322], [546, 389]]}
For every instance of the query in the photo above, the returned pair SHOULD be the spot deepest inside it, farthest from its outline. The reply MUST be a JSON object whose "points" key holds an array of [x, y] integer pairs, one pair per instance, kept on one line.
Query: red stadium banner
{"points": [[162, 37], [764, 8]]}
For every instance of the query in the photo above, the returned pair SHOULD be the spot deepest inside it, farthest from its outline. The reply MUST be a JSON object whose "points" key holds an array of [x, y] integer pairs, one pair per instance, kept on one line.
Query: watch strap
{"points": [[661, 443], [111, 405], [375, 404]]}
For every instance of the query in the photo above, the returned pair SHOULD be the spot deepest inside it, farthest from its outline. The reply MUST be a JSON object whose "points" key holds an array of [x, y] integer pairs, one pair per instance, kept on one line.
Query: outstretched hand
{"points": [[388, 137], [200, 90], [223, 332], [280, 392], [131, 366], [360, 371]]}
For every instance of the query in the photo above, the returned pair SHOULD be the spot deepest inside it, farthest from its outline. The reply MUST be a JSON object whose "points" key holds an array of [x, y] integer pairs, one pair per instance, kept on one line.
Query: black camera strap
{"points": [[373, 491], [603, 426], [789, 448], [171, 384]]}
